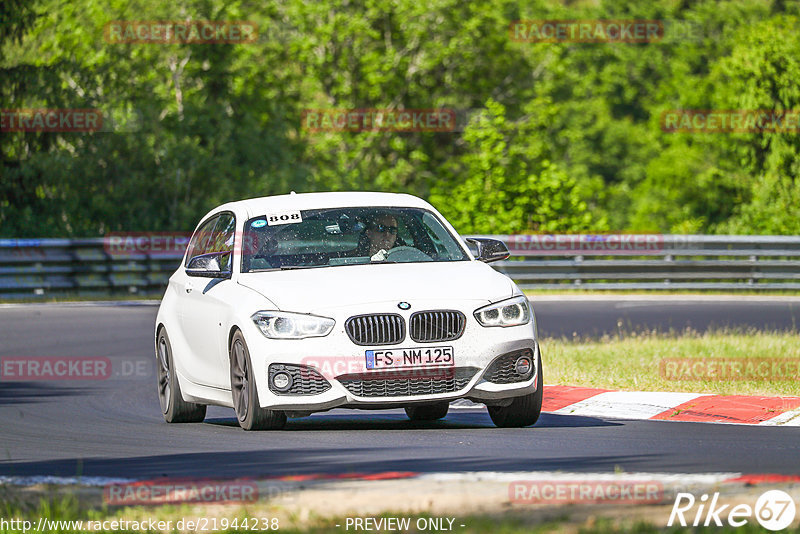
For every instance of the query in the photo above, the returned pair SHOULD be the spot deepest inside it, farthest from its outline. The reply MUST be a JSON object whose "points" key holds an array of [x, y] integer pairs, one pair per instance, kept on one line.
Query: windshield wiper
{"points": [[285, 268], [297, 267], [293, 267]]}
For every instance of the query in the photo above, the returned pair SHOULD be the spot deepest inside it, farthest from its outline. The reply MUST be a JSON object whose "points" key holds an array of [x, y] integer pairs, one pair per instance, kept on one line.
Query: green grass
{"points": [[631, 361]]}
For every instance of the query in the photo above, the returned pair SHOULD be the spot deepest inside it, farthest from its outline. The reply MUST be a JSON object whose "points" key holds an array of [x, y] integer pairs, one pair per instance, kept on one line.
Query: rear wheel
{"points": [[427, 412], [174, 408], [523, 411], [250, 414]]}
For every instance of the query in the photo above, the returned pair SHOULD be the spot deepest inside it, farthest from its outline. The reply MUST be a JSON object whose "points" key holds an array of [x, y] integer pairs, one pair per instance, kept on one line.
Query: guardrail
{"points": [[44, 268], [653, 261]]}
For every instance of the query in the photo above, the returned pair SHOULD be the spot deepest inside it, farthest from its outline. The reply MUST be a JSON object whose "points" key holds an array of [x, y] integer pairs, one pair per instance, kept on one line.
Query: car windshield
{"points": [[346, 236]]}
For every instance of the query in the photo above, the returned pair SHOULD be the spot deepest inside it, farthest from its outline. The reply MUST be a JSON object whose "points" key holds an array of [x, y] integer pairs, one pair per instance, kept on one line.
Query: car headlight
{"points": [[285, 325], [512, 312]]}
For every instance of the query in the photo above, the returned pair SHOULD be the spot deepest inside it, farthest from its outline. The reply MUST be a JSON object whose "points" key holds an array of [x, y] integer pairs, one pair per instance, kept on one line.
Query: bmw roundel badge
{"points": [[403, 305]]}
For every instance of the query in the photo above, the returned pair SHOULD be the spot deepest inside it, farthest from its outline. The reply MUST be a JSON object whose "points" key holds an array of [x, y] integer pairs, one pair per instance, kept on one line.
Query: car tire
{"points": [[249, 412], [523, 411], [427, 412], [173, 407]]}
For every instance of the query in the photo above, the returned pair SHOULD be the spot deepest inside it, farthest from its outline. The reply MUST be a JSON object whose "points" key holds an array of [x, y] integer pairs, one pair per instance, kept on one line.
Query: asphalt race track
{"points": [[569, 316], [113, 427]]}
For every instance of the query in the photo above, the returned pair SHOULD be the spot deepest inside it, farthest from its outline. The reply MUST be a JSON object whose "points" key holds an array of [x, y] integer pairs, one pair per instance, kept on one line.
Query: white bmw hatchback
{"points": [[295, 304]]}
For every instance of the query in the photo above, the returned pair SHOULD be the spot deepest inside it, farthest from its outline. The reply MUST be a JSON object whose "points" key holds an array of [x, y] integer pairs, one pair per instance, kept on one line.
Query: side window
{"points": [[222, 239], [201, 239]]}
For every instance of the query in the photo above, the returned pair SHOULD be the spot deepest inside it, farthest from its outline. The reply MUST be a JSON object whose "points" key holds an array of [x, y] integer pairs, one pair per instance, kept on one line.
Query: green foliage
{"points": [[197, 135], [761, 73], [561, 137], [506, 181]]}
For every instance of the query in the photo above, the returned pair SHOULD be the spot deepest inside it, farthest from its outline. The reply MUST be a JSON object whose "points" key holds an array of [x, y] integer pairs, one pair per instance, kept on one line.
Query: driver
{"points": [[382, 234]]}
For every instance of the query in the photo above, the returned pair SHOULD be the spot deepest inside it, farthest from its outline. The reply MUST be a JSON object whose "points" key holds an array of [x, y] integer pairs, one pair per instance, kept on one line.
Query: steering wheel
{"points": [[406, 254]]}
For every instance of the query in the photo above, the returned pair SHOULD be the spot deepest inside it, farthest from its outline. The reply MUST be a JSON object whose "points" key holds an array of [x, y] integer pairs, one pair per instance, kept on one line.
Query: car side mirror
{"points": [[208, 265], [489, 250]]}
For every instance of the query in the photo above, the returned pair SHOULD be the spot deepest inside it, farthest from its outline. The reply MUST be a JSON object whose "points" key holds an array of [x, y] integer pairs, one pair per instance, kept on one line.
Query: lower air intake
{"points": [[408, 383]]}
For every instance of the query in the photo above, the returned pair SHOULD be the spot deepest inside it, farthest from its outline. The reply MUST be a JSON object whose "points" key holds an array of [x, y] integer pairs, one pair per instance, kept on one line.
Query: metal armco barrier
{"points": [[653, 261], [46, 268]]}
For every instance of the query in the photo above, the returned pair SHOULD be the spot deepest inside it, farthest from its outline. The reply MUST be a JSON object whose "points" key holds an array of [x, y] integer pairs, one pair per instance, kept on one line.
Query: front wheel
{"points": [[428, 412], [523, 411], [174, 408], [250, 414]]}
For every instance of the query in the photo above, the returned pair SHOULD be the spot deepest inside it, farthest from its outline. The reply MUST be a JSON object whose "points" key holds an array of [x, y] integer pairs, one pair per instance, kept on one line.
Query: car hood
{"points": [[312, 290]]}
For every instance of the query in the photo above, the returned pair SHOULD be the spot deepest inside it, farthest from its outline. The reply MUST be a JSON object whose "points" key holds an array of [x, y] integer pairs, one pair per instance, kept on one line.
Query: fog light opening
{"points": [[523, 366], [281, 381]]}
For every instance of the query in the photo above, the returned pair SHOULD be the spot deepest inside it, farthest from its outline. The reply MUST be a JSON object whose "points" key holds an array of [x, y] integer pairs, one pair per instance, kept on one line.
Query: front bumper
{"points": [[338, 360]]}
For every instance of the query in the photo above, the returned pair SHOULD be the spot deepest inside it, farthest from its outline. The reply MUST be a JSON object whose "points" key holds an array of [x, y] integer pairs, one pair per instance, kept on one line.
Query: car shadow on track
{"points": [[459, 420], [25, 392], [294, 461]]}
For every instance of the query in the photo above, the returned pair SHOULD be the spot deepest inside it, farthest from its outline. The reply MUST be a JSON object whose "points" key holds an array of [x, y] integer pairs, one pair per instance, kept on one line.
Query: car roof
{"points": [[303, 201]]}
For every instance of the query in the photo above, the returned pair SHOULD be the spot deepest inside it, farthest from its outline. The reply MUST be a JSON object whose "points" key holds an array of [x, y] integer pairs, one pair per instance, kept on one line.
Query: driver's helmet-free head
{"points": [[376, 218]]}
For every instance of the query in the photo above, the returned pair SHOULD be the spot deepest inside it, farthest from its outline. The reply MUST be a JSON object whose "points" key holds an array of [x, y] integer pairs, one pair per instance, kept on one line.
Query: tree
{"points": [[505, 182], [761, 73]]}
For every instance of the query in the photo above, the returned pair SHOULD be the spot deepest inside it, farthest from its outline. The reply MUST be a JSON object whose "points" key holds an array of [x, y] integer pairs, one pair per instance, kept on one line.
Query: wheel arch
{"points": [[232, 333], [159, 326]]}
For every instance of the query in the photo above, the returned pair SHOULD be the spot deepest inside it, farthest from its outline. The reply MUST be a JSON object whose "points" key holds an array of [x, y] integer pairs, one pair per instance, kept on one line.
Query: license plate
{"points": [[421, 357]]}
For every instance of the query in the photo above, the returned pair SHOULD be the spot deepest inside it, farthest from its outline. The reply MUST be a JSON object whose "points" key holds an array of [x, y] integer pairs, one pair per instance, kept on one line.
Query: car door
{"points": [[203, 304]]}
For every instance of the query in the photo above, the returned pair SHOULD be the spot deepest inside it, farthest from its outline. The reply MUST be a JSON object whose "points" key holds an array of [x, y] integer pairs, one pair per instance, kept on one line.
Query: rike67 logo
{"points": [[774, 510]]}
